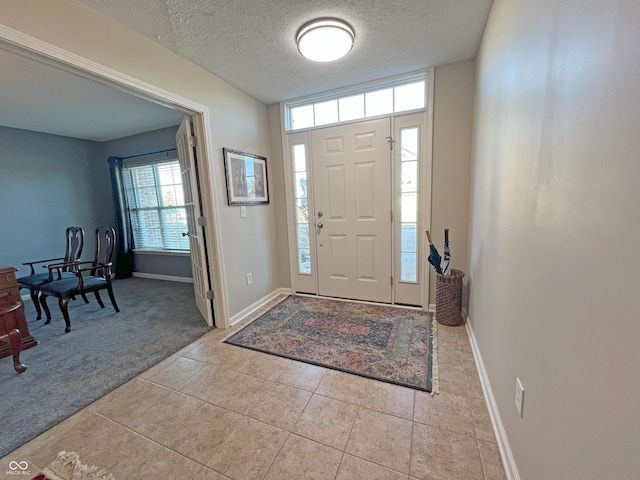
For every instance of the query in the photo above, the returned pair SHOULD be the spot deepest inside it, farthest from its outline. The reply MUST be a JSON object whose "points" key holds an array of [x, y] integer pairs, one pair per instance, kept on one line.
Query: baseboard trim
{"points": [[257, 305], [432, 307], [168, 278], [509, 463]]}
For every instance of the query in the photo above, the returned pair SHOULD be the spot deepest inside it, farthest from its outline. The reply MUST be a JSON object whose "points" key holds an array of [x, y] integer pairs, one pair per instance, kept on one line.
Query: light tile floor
{"points": [[214, 411]]}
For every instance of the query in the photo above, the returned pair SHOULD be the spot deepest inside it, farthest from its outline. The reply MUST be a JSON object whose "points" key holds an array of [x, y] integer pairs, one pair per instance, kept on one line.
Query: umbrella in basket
{"points": [[434, 256], [447, 253]]}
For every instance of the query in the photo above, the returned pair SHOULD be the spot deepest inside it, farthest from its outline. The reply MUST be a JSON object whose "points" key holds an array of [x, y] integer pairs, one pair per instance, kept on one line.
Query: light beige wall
{"points": [[555, 233], [238, 121], [452, 127]]}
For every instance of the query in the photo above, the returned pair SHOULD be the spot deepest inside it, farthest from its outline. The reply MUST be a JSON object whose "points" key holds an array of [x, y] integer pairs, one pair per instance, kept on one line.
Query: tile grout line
{"points": [[340, 463], [353, 425], [276, 455]]}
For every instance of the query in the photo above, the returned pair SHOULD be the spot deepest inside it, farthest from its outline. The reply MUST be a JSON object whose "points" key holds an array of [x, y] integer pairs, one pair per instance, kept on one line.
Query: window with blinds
{"points": [[156, 206]]}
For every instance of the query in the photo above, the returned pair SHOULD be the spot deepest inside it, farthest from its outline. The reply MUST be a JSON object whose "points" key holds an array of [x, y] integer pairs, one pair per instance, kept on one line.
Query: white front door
{"points": [[352, 185], [199, 264]]}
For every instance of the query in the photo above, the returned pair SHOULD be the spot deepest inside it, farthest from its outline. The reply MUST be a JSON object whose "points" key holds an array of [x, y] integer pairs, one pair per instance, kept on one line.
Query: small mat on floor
{"points": [[394, 345], [68, 467]]}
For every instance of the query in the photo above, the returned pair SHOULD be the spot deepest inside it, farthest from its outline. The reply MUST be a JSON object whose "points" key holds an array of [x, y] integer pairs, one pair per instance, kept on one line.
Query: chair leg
{"points": [[84, 297], [15, 340], [63, 302], [98, 298], [112, 298], [45, 307], [34, 298]]}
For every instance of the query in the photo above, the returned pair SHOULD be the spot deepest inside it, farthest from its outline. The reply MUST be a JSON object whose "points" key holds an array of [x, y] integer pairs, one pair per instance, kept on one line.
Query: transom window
{"points": [[371, 103], [156, 206]]}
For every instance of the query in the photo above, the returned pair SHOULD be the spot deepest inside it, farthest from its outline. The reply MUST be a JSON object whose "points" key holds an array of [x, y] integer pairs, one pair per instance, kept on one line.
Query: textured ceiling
{"points": [[250, 43]]}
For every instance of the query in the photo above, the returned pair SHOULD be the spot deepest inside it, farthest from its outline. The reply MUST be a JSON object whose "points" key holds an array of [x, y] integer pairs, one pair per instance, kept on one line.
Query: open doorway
{"points": [[93, 76]]}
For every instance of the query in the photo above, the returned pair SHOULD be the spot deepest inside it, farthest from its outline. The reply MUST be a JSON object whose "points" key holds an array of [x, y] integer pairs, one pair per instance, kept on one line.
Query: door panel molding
{"points": [[195, 229], [352, 177]]}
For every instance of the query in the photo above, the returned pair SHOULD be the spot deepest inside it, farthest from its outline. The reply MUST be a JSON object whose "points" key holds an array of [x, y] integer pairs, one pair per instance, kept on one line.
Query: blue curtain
{"points": [[124, 233]]}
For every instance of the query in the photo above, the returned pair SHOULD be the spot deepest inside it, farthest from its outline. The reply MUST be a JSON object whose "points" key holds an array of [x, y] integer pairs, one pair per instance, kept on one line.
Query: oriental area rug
{"points": [[390, 344]]}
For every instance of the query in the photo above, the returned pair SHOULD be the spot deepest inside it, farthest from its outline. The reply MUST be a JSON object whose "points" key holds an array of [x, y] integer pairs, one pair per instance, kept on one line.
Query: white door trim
{"points": [[31, 47], [426, 179], [425, 187]]}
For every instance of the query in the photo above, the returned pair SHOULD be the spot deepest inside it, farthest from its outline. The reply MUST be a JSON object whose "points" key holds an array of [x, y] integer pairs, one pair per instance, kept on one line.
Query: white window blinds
{"points": [[156, 206]]}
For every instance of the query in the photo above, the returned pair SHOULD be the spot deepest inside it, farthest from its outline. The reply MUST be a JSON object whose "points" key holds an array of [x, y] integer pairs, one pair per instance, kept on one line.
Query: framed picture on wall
{"points": [[246, 178]]}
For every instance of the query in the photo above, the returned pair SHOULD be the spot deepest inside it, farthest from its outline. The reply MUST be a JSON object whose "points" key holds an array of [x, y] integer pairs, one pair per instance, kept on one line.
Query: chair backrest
{"points": [[75, 243], [105, 245]]}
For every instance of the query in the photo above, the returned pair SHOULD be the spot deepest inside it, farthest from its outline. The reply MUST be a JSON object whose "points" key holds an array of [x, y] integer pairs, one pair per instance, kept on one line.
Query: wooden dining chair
{"points": [[89, 279], [34, 281]]}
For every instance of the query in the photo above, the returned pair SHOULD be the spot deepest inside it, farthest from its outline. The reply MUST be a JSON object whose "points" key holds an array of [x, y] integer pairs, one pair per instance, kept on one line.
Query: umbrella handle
{"points": [[428, 236]]}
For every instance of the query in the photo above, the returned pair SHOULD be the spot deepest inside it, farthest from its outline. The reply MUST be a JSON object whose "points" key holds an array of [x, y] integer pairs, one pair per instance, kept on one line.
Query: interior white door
{"points": [[352, 185], [199, 264]]}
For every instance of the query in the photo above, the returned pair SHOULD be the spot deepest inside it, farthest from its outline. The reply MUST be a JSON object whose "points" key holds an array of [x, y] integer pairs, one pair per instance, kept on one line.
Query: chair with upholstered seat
{"points": [[91, 279], [34, 281]]}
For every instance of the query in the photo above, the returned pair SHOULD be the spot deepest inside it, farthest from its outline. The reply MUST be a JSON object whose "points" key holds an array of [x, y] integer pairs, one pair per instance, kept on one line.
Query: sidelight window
{"points": [[409, 204], [299, 155]]}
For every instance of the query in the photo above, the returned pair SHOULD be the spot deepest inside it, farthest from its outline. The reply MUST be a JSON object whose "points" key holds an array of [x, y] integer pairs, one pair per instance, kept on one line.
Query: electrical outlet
{"points": [[249, 278], [519, 396]]}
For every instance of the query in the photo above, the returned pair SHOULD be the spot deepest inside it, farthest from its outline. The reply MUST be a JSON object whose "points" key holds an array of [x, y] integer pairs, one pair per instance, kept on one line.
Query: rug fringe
{"points": [[435, 381]]}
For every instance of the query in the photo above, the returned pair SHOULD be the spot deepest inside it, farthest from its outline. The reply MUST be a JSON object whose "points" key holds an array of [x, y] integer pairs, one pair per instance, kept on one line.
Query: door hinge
{"points": [[201, 221], [193, 141], [391, 141], [392, 280], [391, 212], [209, 295]]}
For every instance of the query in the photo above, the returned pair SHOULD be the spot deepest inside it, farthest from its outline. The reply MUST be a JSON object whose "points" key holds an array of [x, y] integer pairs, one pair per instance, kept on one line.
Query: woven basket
{"points": [[449, 298]]}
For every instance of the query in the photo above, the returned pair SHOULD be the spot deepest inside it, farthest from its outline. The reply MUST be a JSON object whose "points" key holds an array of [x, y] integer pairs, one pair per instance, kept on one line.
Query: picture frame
{"points": [[246, 175]]}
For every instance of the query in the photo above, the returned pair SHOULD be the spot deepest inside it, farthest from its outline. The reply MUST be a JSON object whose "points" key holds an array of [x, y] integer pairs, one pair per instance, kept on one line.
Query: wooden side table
{"points": [[13, 308]]}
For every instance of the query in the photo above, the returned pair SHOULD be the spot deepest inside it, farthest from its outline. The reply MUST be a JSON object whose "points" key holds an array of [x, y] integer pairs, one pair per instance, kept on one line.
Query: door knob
{"points": [[320, 225]]}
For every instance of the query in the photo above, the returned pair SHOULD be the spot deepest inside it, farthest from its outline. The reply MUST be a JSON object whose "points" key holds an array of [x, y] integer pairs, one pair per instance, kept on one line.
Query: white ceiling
{"points": [[42, 98], [248, 43]]}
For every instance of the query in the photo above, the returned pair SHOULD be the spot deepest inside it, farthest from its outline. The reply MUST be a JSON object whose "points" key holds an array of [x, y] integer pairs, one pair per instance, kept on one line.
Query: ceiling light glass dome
{"points": [[325, 40]]}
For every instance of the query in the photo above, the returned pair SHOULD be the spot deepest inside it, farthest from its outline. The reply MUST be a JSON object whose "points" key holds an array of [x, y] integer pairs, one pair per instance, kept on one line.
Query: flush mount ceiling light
{"points": [[325, 40]]}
